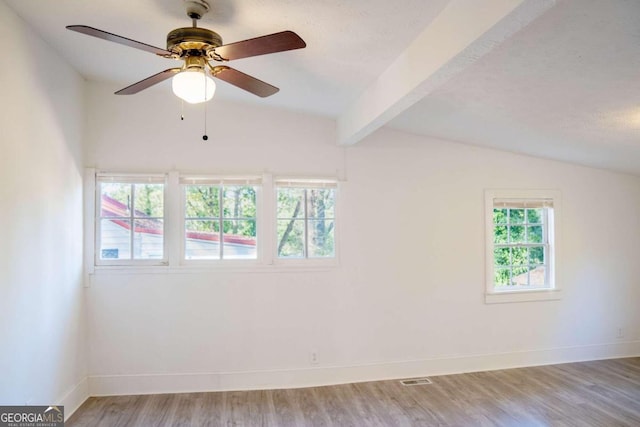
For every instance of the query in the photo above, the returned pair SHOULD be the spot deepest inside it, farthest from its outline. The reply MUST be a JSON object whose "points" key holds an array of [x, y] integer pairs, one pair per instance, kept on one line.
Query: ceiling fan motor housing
{"points": [[190, 41]]}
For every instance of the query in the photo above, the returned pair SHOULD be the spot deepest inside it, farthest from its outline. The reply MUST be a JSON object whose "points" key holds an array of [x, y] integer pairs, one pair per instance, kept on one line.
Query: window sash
{"points": [[306, 185], [219, 183], [523, 204], [132, 180]]}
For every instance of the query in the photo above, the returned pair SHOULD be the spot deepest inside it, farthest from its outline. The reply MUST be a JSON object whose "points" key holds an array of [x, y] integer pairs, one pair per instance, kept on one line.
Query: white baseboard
{"points": [[75, 397], [109, 385]]}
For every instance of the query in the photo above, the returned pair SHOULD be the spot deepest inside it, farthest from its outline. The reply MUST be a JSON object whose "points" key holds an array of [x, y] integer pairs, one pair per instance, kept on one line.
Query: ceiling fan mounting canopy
{"points": [[196, 8]]}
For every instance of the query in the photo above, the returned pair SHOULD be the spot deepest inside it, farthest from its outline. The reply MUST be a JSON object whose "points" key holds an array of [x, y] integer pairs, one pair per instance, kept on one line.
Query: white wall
{"points": [[407, 298], [42, 333]]}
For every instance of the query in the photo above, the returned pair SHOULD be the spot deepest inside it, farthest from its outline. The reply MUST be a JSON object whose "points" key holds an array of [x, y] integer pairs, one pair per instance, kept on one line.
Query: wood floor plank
{"points": [[598, 393], [288, 413], [357, 407], [387, 407]]}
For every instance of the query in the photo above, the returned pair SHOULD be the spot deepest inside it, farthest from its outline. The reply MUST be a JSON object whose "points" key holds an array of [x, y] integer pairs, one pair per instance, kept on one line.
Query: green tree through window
{"points": [[305, 222], [216, 214]]}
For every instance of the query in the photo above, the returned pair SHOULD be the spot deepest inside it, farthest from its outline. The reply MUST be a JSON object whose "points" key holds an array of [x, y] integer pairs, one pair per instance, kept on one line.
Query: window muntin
{"points": [[305, 220], [130, 223], [217, 212]]}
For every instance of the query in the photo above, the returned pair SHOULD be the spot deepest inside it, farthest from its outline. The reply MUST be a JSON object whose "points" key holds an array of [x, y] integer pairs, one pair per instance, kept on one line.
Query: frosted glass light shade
{"points": [[193, 86]]}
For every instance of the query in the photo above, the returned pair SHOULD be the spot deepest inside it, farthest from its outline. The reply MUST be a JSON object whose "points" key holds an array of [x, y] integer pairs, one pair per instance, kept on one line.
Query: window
{"points": [[205, 221], [218, 211], [521, 242], [305, 218], [130, 219]]}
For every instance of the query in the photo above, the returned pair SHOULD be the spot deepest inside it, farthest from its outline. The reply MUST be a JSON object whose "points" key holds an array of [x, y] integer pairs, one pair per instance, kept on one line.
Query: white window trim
{"points": [[554, 229]]}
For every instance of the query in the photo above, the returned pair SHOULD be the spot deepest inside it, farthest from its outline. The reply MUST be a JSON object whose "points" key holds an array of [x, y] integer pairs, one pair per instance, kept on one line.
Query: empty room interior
{"points": [[250, 212]]}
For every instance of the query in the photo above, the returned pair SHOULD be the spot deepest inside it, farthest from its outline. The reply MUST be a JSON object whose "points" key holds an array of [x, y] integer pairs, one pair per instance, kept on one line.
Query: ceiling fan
{"points": [[196, 47]]}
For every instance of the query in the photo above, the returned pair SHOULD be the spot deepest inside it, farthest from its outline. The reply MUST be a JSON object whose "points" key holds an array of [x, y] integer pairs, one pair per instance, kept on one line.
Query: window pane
{"points": [[290, 203], [516, 234], [520, 276], [500, 216], [149, 200], [148, 239], [115, 239], [115, 199], [502, 256], [320, 203], [502, 276], [519, 256], [536, 255], [537, 276], [321, 238], [202, 239], [534, 216], [291, 238], [202, 201], [534, 234], [239, 202], [500, 234], [239, 239], [516, 216]]}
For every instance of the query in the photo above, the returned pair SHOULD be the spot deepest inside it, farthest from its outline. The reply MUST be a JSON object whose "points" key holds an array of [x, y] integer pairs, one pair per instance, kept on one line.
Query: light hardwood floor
{"points": [[598, 393]]}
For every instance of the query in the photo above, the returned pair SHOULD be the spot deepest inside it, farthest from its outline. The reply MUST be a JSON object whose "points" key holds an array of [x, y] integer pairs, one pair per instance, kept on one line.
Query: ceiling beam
{"points": [[461, 34]]}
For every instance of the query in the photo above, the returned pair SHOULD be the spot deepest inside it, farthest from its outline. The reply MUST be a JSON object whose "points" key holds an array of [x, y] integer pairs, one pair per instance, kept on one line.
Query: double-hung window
{"points": [[220, 218], [305, 218], [522, 231], [130, 219]]}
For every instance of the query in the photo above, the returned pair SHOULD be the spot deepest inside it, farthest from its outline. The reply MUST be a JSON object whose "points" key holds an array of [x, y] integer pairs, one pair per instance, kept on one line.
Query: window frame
{"points": [[128, 178], [551, 238], [221, 182], [306, 184]]}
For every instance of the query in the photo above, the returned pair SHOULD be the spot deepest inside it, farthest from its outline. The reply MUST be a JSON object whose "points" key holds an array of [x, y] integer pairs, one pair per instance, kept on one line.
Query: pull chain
{"points": [[181, 109], [205, 137]]}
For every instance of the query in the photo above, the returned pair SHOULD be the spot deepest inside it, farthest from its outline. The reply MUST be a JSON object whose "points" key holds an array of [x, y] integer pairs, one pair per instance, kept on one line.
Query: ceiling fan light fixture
{"points": [[193, 86]]}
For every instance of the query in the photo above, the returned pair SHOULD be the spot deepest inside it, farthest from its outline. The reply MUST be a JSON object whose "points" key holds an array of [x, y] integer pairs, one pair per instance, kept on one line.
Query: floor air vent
{"points": [[416, 381]]}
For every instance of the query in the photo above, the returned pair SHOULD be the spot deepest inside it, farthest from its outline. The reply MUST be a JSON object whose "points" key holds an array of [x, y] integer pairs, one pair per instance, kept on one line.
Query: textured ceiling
{"points": [[566, 86]]}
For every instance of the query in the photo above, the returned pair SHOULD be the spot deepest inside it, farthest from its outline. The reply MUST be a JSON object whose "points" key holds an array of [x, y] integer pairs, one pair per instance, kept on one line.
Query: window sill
{"points": [[209, 268], [522, 296]]}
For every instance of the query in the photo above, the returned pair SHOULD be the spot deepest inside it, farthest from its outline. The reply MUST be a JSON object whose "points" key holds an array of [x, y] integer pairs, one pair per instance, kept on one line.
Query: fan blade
{"points": [[278, 42], [148, 82], [90, 31], [243, 81]]}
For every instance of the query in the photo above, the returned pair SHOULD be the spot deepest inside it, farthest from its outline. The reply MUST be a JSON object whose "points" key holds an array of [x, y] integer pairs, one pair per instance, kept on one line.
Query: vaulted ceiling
{"points": [[552, 78]]}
